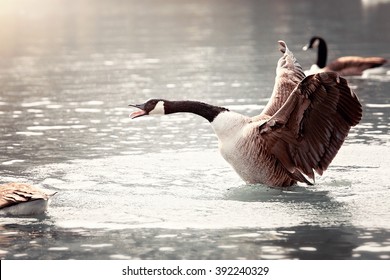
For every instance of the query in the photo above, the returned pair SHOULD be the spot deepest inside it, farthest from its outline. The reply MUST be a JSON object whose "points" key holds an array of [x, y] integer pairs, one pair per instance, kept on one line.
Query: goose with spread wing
{"points": [[299, 131]]}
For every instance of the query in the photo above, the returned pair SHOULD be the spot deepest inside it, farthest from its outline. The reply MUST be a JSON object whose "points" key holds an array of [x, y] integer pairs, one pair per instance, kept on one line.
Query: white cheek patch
{"points": [[158, 109], [316, 44]]}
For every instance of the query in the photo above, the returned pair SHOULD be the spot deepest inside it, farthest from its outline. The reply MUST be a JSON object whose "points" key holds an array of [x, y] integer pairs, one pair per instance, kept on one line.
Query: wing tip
{"points": [[282, 46], [349, 96]]}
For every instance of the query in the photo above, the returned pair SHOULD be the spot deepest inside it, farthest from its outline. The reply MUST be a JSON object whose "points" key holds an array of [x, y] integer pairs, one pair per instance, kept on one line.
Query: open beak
{"points": [[141, 112]]}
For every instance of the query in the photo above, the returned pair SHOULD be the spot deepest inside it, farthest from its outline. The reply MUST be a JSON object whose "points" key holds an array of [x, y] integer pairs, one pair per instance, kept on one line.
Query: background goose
{"points": [[23, 199], [300, 130], [344, 66]]}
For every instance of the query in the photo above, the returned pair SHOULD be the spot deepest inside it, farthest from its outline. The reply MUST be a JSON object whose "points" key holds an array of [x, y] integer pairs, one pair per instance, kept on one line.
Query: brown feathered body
{"points": [[23, 199], [353, 65]]}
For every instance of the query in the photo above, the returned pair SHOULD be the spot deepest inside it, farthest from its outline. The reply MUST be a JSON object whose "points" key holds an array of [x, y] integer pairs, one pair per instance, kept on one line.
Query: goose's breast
{"points": [[242, 146], [247, 154]]}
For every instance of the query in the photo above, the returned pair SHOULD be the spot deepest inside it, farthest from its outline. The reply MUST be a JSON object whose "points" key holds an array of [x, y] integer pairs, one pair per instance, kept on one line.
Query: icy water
{"points": [[156, 187]]}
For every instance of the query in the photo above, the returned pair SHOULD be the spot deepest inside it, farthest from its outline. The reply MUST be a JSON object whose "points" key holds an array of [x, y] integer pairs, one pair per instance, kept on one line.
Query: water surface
{"points": [[156, 187]]}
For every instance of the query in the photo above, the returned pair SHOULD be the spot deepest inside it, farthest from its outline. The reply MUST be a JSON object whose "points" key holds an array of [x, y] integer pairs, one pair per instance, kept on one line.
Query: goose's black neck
{"points": [[209, 112], [322, 52]]}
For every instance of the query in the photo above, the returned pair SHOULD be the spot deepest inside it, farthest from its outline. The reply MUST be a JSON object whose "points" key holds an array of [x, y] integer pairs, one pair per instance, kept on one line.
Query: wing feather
{"points": [[288, 75], [306, 133], [14, 193]]}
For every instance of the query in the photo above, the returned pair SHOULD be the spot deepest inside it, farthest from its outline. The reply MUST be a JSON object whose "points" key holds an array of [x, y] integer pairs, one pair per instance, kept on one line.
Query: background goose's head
{"points": [[314, 43], [152, 106]]}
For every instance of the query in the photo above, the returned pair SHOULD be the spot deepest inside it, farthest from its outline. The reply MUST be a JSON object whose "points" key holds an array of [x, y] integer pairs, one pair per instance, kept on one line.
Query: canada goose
{"points": [[344, 66], [301, 128], [20, 199]]}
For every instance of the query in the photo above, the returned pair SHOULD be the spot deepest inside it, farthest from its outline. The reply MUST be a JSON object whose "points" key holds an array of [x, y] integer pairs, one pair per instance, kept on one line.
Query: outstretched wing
{"points": [[288, 75], [309, 129]]}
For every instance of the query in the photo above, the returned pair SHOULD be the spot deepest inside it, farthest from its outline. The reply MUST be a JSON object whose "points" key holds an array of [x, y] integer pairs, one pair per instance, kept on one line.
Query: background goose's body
{"points": [[344, 66], [300, 130], [19, 199]]}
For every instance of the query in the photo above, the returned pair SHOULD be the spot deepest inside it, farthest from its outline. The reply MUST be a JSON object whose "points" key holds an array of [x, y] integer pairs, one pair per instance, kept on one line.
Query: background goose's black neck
{"points": [[209, 112], [322, 53]]}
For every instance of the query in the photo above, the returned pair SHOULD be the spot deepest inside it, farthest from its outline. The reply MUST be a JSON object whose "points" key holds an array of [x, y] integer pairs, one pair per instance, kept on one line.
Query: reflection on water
{"points": [[156, 187], [301, 242]]}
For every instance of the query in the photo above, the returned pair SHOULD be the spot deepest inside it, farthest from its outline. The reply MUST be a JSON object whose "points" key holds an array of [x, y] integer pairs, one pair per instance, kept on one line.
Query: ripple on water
{"points": [[36, 103], [87, 110], [11, 162], [58, 249], [56, 127], [29, 133]]}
